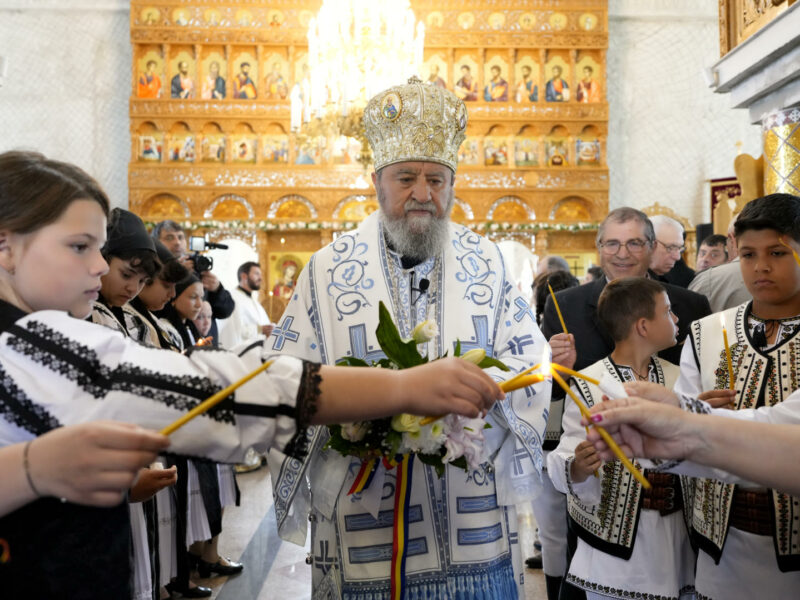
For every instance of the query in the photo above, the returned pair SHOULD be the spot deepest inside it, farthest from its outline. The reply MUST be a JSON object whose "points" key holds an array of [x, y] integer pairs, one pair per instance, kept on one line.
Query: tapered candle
{"points": [[603, 433], [569, 371], [558, 309], [731, 381], [794, 252], [212, 401]]}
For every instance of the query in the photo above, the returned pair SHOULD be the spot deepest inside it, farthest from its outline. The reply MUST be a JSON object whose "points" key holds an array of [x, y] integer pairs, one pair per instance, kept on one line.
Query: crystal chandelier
{"points": [[356, 48]]}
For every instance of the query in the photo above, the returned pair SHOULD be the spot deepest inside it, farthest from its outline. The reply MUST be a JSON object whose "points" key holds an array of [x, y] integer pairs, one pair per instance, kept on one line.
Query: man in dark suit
{"points": [[625, 243]]}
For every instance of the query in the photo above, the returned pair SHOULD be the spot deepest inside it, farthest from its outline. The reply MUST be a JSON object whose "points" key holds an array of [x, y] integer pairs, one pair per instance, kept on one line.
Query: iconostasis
{"points": [[212, 145]]}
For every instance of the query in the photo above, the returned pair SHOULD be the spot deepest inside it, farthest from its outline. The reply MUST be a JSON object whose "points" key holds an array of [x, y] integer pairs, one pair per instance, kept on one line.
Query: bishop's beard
{"points": [[414, 236]]}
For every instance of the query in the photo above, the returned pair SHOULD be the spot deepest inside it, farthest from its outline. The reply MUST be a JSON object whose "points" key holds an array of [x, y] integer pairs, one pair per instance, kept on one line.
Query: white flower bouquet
{"points": [[452, 439]]}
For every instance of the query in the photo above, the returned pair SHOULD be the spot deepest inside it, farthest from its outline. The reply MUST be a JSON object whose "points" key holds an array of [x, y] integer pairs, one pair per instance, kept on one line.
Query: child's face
{"points": [[122, 283], [59, 266], [662, 329], [768, 268]]}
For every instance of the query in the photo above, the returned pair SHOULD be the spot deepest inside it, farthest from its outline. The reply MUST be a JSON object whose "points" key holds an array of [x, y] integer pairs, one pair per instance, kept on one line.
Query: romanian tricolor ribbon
{"points": [[402, 499], [365, 475]]}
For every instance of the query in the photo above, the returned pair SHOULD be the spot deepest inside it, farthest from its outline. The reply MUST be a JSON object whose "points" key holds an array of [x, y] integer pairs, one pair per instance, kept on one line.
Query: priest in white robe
{"points": [[462, 540], [249, 319]]}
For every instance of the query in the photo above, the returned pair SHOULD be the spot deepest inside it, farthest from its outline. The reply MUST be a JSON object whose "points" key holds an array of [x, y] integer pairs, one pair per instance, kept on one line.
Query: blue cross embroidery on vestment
{"points": [[284, 332], [358, 344], [524, 309], [323, 561], [481, 338], [517, 343]]}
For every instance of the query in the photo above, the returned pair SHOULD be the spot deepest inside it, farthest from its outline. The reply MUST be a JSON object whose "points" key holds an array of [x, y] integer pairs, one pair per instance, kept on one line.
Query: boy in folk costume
{"points": [[748, 535], [632, 542]]}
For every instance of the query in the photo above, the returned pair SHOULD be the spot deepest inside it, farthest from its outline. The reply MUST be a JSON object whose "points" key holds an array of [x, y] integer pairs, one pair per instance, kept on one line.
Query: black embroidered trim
{"points": [[80, 364], [17, 408], [605, 590], [259, 410], [305, 408], [694, 405]]}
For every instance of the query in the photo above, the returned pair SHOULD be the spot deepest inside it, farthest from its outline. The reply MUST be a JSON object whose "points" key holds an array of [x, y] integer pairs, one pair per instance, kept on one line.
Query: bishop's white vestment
{"points": [[462, 540]]}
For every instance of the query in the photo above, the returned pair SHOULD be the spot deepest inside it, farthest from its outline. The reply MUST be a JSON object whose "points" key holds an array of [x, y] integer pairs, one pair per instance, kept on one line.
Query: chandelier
{"points": [[356, 48]]}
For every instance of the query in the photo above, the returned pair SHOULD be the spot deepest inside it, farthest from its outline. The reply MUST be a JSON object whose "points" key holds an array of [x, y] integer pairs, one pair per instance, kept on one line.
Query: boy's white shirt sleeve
{"points": [[689, 382], [560, 459], [783, 413]]}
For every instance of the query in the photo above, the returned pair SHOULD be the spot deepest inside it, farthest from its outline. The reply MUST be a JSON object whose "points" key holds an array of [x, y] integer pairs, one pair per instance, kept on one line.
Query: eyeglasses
{"points": [[672, 248], [634, 246]]}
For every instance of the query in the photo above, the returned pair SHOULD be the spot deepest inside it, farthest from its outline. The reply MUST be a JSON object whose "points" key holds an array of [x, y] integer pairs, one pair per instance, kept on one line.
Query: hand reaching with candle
{"points": [[587, 461], [91, 463], [449, 385], [440, 387], [643, 428], [563, 348]]}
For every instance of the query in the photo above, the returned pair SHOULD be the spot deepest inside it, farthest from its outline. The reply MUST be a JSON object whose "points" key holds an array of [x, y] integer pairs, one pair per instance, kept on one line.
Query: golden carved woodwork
{"points": [[163, 206], [190, 152], [510, 211], [740, 19], [292, 209], [230, 210]]}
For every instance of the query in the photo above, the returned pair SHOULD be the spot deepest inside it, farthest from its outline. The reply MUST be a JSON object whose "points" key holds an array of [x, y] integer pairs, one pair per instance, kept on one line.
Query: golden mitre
{"points": [[415, 122]]}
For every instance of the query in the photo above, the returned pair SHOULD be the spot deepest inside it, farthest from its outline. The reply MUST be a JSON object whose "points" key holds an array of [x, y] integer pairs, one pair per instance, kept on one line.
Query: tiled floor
{"points": [[276, 569]]}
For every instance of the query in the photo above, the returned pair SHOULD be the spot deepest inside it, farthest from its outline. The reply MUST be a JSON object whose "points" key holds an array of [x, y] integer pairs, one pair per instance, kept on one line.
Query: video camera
{"points": [[198, 244]]}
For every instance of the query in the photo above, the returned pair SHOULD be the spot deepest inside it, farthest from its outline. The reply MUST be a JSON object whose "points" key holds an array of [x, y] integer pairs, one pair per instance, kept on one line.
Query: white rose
{"points": [[475, 356], [406, 423], [425, 332], [354, 432]]}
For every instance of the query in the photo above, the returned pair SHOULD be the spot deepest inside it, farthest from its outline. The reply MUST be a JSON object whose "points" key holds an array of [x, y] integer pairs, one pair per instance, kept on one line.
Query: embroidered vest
{"points": [[762, 379], [611, 525]]}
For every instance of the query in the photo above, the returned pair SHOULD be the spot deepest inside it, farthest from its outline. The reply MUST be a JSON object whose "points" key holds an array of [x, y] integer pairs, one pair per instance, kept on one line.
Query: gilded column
{"points": [[782, 151]]}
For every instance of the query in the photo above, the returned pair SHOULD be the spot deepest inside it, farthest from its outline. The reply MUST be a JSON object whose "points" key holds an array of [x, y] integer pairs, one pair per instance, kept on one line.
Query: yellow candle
{"points": [[731, 380], [213, 400], [603, 433], [575, 374], [558, 310], [794, 252]]}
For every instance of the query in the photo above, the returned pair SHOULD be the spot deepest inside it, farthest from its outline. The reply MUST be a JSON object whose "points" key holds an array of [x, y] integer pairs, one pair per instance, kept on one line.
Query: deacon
{"points": [[462, 527]]}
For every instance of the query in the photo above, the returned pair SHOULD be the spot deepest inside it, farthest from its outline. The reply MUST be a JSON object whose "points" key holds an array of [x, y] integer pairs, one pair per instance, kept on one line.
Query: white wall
{"points": [[68, 86], [668, 133]]}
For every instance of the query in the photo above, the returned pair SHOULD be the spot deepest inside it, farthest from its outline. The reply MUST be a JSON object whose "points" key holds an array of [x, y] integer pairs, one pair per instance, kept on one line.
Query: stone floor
{"points": [[276, 569]]}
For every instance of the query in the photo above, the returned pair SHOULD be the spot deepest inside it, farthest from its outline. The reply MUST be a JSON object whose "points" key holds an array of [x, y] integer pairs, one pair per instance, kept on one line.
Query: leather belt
{"points": [[664, 495], [750, 512]]}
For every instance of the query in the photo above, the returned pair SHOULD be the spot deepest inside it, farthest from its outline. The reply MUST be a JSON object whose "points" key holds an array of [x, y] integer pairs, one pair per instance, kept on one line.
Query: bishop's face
{"points": [[415, 199]]}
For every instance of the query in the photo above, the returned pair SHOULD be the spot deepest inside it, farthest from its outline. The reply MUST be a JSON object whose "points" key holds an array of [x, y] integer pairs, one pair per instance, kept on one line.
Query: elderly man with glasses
{"points": [[666, 262], [625, 244]]}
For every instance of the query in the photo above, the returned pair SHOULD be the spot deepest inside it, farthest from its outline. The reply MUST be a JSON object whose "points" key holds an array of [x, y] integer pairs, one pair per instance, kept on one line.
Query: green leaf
{"points": [[405, 354], [433, 460], [351, 361], [492, 362], [457, 351], [487, 425]]}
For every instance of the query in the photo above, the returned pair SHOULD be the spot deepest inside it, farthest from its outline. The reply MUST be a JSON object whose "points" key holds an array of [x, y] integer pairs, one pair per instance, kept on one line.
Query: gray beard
{"points": [[420, 242]]}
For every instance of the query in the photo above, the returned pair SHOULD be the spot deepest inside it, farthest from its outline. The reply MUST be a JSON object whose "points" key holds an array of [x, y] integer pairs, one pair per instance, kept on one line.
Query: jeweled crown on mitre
{"points": [[415, 122]]}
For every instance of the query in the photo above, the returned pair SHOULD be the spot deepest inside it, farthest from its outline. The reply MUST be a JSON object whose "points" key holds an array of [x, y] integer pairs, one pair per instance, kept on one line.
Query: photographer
{"points": [[171, 234]]}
